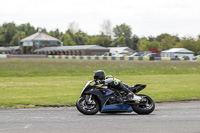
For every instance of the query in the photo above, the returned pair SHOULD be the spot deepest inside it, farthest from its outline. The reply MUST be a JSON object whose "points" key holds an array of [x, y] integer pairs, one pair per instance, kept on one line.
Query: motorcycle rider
{"points": [[109, 80]]}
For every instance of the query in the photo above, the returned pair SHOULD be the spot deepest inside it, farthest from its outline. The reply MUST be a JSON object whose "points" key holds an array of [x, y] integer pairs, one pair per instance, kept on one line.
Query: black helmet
{"points": [[99, 75]]}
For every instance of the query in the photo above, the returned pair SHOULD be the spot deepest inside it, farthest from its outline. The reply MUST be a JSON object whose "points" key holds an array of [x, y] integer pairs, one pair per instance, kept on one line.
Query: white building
{"points": [[177, 52], [120, 50]]}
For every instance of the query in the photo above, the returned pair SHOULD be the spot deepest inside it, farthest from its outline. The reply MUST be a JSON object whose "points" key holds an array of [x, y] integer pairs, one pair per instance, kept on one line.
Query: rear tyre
{"points": [[85, 108], [145, 109]]}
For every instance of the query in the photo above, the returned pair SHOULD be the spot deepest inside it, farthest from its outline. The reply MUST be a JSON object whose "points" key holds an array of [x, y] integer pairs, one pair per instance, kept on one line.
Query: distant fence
{"points": [[97, 57], [26, 56], [21, 56], [136, 58], [169, 58]]}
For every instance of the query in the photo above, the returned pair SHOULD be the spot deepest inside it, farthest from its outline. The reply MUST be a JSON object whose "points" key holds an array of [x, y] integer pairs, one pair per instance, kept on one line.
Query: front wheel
{"points": [[86, 108], [147, 108]]}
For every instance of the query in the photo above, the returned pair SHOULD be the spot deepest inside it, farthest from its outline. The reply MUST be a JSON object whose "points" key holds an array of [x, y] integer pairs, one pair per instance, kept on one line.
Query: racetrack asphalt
{"points": [[172, 117]]}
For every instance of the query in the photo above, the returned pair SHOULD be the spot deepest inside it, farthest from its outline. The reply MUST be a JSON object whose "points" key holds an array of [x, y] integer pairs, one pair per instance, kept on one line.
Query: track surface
{"points": [[174, 117]]}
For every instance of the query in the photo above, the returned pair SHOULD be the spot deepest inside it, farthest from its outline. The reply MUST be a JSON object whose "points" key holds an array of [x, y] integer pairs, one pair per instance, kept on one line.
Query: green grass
{"points": [[50, 82], [63, 67], [40, 90]]}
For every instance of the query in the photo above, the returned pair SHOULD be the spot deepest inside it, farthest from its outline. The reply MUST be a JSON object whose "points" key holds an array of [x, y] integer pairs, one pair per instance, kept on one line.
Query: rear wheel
{"points": [[147, 108], [87, 108]]}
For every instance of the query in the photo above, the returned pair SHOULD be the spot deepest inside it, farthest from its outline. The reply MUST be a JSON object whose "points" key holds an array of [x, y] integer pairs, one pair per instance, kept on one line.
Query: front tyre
{"points": [[147, 108], [85, 108]]}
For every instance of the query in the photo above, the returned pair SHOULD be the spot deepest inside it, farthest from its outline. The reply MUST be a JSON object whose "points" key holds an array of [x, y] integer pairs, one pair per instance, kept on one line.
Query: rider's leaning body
{"points": [[115, 83]]}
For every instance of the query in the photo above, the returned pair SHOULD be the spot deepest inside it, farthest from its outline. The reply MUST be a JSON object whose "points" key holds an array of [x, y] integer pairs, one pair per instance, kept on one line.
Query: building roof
{"points": [[77, 47], [120, 49], [178, 50], [39, 36]]}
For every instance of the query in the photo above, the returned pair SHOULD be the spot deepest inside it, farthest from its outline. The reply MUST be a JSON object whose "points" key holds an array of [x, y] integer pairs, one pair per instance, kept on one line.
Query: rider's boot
{"points": [[130, 94]]}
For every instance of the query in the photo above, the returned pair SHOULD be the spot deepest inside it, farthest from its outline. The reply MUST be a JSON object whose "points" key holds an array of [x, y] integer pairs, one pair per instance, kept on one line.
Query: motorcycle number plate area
{"points": [[118, 107]]}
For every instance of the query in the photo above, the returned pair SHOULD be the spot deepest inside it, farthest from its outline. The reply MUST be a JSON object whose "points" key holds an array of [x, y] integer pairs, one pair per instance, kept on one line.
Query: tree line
{"points": [[120, 35]]}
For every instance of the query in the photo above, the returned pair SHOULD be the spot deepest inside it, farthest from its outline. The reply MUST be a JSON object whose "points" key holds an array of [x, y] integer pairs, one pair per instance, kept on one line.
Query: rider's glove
{"points": [[100, 82]]}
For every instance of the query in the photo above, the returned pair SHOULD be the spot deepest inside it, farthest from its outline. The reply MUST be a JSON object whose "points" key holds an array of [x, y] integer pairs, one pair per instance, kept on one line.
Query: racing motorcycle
{"points": [[103, 99]]}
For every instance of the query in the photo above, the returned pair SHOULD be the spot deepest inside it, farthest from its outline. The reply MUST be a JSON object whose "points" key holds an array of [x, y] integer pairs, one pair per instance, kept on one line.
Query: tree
{"points": [[151, 38], [134, 41], [71, 34], [67, 40], [73, 27], [188, 43], [2, 39], [55, 33], [2, 34], [81, 38], [10, 31], [106, 28], [142, 44], [121, 41], [167, 41], [145, 45], [122, 30], [99, 40], [17, 37], [160, 37], [197, 46], [27, 28]]}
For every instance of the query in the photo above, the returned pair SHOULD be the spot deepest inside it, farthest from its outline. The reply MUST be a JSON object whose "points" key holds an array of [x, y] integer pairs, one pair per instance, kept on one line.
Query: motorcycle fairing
{"points": [[108, 92], [117, 108], [137, 88], [103, 96]]}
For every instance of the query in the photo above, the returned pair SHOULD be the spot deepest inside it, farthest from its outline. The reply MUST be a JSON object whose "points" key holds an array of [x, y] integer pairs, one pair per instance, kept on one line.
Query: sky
{"points": [[145, 17]]}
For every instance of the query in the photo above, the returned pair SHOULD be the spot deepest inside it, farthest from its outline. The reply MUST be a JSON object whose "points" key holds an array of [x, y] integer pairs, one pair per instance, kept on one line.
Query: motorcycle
{"points": [[103, 99]]}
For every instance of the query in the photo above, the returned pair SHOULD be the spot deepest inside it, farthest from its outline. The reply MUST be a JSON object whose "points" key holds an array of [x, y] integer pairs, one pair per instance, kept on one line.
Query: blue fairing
{"points": [[119, 107], [108, 92]]}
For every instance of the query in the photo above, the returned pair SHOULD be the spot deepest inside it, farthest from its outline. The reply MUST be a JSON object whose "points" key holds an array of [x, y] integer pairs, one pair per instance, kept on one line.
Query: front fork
{"points": [[88, 99]]}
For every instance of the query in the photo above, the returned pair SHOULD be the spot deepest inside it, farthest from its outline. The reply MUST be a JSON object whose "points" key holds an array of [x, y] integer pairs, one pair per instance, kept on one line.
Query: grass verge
{"points": [[61, 67], [58, 82], [20, 92]]}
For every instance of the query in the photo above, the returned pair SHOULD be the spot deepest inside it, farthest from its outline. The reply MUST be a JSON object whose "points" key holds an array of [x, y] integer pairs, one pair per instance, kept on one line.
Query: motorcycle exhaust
{"points": [[136, 98]]}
